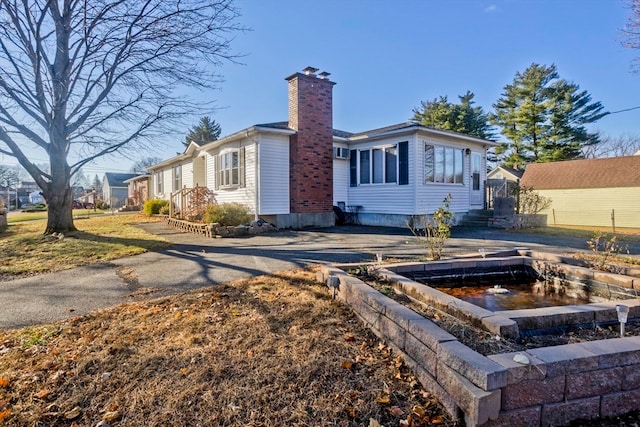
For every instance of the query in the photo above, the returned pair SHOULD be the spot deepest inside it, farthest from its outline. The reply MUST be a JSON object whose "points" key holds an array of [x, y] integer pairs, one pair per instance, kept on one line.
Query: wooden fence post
{"points": [[613, 220], [553, 211]]}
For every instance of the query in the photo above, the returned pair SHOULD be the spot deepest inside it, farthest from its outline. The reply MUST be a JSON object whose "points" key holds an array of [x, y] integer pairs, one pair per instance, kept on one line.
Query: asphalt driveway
{"points": [[196, 261]]}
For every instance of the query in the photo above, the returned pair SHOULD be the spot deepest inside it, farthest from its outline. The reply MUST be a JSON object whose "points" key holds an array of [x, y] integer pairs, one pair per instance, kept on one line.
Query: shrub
{"points": [[605, 252], [153, 206], [103, 205], [529, 201], [164, 210], [433, 232], [227, 214]]}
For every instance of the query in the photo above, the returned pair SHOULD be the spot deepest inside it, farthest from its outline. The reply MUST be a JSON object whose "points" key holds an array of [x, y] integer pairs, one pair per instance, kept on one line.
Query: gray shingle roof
{"points": [[285, 125], [117, 179]]}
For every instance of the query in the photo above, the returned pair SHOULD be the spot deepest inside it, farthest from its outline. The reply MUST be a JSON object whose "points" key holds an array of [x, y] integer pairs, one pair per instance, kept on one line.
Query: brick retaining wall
{"points": [[562, 383]]}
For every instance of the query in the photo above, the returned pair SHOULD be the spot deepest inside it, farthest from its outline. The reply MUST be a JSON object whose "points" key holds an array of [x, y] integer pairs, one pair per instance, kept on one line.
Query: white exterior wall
{"points": [[594, 206], [429, 196], [245, 195], [340, 180], [381, 201], [187, 174], [273, 170]]}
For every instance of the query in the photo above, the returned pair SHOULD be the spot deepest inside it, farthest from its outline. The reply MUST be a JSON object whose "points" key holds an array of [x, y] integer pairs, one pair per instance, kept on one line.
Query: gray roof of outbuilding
{"points": [[117, 179]]}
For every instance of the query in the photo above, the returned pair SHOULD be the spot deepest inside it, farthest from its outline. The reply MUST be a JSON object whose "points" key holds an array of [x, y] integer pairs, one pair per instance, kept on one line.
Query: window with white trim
{"points": [[177, 177], [159, 182], [230, 168], [378, 165], [443, 164]]}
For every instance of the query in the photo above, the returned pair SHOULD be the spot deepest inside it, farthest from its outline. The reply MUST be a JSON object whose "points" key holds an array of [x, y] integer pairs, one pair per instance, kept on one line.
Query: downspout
{"points": [[257, 176]]}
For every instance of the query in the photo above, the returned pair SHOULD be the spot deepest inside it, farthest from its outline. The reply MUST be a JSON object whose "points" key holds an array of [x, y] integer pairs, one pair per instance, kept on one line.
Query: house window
{"points": [[476, 161], [380, 165], [177, 180], [159, 182], [443, 164], [230, 167]]}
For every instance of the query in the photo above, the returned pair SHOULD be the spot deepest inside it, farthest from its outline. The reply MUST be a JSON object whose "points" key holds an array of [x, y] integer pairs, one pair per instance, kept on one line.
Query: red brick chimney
{"points": [[311, 148]]}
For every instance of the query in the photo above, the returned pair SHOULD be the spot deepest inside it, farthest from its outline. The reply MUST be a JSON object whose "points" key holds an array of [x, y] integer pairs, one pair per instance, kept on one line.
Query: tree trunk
{"points": [[60, 215], [59, 195]]}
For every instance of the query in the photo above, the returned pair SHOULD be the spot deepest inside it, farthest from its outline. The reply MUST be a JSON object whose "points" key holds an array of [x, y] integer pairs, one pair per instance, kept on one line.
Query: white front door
{"points": [[477, 186]]}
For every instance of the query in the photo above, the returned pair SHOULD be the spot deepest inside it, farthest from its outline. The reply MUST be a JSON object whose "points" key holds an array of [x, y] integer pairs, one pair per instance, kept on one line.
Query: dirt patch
{"points": [[270, 351]]}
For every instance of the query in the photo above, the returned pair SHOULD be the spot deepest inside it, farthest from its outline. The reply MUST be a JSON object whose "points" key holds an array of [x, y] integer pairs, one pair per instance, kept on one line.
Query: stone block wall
{"points": [[561, 384]]}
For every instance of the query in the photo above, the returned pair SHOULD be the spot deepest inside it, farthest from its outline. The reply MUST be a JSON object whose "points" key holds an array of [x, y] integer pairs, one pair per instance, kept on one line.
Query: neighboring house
{"points": [[137, 190], [502, 182], [114, 189], [593, 192], [292, 173]]}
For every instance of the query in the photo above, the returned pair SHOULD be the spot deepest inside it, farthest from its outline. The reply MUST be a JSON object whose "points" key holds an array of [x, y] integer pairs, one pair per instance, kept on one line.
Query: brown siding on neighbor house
{"points": [[591, 173], [311, 148]]}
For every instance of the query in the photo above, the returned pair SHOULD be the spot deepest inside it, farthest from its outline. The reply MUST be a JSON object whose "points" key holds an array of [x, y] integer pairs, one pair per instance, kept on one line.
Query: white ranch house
{"points": [[292, 173]]}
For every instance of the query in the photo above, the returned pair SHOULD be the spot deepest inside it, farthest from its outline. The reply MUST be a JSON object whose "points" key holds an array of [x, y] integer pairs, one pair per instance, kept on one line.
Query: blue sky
{"points": [[387, 56]]}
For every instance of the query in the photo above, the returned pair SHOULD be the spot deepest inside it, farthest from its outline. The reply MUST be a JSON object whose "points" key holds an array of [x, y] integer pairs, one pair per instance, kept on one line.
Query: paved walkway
{"points": [[195, 261]]}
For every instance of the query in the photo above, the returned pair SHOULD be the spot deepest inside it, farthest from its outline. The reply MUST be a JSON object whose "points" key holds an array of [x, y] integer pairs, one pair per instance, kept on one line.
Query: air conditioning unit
{"points": [[340, 153]]}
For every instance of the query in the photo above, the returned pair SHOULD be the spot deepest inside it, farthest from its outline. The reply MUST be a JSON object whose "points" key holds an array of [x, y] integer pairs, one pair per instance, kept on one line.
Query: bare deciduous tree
{"points": [[618, 146], [82, 79], [631, 31]]}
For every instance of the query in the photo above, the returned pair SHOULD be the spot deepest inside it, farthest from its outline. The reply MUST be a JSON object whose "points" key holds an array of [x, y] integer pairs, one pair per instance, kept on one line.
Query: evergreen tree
{"points": [[463, 118], [543, 118], [207, 130]]}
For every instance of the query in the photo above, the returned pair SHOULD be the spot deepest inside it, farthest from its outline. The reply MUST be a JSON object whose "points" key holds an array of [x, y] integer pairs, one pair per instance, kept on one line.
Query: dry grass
{"points": [[269, 351], [24, 250], [625, 234]]}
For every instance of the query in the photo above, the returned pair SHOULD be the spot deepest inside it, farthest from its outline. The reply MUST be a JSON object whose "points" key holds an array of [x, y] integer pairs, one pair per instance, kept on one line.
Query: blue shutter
{"points": [[353, 168], [403, 163]]}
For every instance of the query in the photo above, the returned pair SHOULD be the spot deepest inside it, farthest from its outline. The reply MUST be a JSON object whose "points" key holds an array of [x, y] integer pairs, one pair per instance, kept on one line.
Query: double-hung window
{"points": [[443, 164], [230, 168], [177, 177], [159, 182]]}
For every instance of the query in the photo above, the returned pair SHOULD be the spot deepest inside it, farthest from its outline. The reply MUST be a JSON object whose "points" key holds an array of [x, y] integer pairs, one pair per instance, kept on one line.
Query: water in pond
{"points": [[522, 293]]}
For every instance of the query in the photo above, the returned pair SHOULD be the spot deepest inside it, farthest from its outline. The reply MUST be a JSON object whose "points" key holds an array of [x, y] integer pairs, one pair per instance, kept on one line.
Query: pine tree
{"points": [[207, 130], [463, 118], [543, 118]]}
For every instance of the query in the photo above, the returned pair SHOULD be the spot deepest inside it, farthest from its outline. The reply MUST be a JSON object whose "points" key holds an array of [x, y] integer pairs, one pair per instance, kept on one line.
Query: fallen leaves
{"points": [[44, 393], [5, 414], [4, 382]]}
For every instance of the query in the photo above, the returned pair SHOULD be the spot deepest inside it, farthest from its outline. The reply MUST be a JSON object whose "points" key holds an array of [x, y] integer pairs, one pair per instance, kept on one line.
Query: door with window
{"points": [[477, 186]]}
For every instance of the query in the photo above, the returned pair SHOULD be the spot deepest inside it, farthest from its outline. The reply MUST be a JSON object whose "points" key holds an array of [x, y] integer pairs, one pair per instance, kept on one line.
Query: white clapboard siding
{"points": [[187, 174], [245, 195], [386, 198], [274, 174], [340, 181]]}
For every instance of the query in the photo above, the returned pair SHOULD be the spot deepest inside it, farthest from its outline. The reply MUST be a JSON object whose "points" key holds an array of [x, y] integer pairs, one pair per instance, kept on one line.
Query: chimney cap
{"points": [[323, 75], [310, 71]]}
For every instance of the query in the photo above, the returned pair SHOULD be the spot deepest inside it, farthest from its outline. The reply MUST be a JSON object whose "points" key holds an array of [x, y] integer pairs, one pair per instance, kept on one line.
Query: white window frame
{"points": [[228, 174], [177, 177], [160, 182], [372, 174], [445, 165]]}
